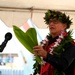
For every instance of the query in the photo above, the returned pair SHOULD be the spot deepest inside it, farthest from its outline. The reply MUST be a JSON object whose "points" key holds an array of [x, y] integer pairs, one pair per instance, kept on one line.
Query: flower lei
{"points": [[62, 39], [58, 46], [55, 44]]}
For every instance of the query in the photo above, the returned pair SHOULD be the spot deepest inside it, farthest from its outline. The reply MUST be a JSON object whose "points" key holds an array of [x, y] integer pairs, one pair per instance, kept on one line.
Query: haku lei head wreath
{"points": [[61, 17]]}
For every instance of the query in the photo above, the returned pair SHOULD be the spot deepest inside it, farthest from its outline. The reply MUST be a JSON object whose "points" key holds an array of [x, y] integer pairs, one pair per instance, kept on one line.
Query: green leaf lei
{"points": [[52, 14]]}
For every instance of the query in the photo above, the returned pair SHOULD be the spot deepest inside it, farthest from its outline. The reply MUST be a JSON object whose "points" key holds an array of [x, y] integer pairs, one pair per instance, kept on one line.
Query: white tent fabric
{"points": [[19, 11], [40, 4]]}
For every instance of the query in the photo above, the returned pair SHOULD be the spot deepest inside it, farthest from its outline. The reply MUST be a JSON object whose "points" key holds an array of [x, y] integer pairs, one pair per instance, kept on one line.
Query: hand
{"points": [[38, 50]]}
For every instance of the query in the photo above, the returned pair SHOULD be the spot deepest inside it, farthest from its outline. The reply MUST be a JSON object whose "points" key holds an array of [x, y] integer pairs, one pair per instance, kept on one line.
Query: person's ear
{"points": [[65, 26]]}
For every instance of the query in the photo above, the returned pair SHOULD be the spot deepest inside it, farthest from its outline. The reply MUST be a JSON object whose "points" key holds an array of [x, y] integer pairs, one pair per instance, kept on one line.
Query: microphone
{"points": [[8, 36]]}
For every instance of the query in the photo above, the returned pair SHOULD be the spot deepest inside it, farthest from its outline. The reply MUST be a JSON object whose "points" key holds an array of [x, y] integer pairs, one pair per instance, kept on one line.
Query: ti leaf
{"points": [[28, 39]]}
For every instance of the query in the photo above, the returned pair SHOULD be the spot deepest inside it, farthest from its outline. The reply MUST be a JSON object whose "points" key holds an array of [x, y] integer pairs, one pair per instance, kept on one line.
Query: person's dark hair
{"points": [[62, 17]]}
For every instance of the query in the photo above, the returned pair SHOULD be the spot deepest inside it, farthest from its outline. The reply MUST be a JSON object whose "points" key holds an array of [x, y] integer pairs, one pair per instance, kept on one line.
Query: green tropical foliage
{"points": [[28, 39]]}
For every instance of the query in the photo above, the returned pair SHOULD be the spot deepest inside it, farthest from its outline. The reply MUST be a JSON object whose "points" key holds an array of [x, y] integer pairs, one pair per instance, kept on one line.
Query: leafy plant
{"points": [[28, 39]]}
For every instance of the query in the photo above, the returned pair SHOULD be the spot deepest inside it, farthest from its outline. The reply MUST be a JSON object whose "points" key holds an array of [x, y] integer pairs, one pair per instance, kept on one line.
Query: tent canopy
{"points": [[19, 11], [39, 4]]}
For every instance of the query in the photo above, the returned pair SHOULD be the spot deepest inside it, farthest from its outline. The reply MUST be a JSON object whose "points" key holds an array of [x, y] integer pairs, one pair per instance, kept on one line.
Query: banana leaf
{"points": [[28, 39]]}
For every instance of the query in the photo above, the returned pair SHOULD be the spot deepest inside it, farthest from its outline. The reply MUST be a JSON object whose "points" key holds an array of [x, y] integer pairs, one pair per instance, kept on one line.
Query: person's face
{"points": [[56, 27]]}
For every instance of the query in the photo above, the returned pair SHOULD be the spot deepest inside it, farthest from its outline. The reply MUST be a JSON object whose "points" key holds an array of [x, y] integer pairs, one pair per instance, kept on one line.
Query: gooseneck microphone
{"points": [[8, 36]]}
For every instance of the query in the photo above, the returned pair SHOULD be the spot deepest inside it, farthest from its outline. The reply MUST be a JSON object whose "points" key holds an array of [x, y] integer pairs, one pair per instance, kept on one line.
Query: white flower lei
{"points": [[56, 43]]}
